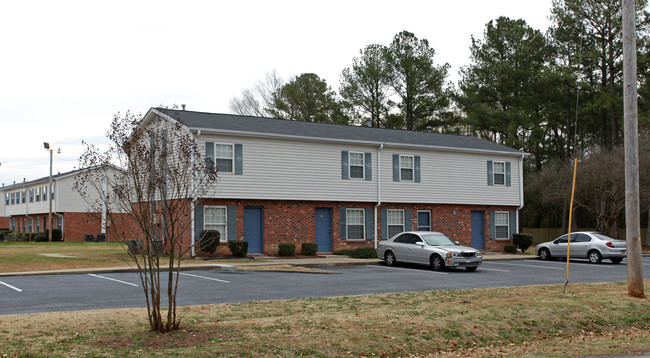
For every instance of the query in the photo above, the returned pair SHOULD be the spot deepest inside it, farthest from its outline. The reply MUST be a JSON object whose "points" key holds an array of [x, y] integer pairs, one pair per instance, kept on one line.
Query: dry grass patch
{"points": [[283, 268], [511, 322]]}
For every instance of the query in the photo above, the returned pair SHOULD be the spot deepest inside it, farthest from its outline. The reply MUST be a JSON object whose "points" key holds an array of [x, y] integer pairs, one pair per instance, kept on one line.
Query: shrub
{"points": [[309, 248], [238, 248], [56, 234], [359, 253], [41, 237], [510, 249], [286, 249], [522, 241], [209, 240]]}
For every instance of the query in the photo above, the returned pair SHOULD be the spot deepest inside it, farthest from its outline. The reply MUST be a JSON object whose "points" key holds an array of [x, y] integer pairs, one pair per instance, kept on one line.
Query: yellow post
{"points": [[568, 249]]}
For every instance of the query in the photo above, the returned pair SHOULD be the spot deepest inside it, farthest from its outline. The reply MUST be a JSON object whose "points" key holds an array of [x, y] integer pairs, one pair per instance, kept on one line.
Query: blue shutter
{"points": [[493, 227], [343, 229], [345, 165], [369, 223], [368, 170], [384, 224], [508, 180], [407, 219], [416, 171], [232, 223], [513, 222], [239, 158], [198, 222], [209, 156], [395, 167], [490, 173]]}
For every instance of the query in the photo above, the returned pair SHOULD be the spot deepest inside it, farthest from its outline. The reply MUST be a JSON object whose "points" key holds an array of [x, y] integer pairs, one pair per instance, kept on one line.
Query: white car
{"points": [[428, 248], [589, 245]]}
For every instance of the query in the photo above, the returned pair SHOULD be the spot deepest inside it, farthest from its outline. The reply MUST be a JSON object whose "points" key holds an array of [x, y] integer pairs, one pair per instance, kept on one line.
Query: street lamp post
{"points": [[46, 145]]}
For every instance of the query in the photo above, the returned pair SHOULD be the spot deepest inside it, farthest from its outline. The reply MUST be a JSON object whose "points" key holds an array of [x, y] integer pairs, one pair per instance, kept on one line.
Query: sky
{"points": [[66, 67]]}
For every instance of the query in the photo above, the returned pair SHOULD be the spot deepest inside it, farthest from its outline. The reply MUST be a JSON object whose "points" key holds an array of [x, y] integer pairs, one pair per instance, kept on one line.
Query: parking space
{"points": [[27, 294]]}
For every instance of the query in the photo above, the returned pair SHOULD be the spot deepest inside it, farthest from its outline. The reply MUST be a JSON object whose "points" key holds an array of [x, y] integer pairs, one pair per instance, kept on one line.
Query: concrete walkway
{"points": [[262, 262]]}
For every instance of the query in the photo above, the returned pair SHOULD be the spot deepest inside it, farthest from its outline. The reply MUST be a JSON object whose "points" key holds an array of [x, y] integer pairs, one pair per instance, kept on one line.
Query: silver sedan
{"points": [[429, 248], [589, 245]]}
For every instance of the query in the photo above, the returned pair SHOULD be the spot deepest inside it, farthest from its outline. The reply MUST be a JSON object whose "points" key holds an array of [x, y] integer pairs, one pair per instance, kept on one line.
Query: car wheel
{"points": [[616, 260], [595, 257], [471, 269], [437, 263], [544, 254], [390, 259]]}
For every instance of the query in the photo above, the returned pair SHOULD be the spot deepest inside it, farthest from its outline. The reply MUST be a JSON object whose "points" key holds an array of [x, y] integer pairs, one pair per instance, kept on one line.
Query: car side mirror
{"points": [[457, 243], [419, 243]]}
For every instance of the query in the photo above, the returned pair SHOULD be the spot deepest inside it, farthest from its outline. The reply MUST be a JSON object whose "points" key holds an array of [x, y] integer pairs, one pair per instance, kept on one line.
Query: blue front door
{"points": [[324, 229], [424, 220], [254, 230], [478, 230]]}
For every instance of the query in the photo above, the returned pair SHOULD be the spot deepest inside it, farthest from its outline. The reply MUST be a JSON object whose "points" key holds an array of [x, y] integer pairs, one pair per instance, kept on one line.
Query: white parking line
{"points": [[112, 279], [207, 278], [10, 286], [403, 269], [536, 266], [604, 265], [487, 269]]}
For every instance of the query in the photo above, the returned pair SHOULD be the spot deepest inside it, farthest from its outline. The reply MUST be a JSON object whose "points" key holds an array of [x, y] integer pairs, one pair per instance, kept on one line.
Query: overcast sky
{"points": [[67, 66]]}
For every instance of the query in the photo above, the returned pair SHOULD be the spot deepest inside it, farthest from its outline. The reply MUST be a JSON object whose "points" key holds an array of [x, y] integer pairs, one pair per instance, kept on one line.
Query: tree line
{"points": [[556, 95]]}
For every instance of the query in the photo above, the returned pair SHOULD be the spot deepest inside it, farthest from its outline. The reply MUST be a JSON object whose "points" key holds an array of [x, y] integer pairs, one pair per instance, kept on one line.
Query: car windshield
{"points": [[438, 240]]}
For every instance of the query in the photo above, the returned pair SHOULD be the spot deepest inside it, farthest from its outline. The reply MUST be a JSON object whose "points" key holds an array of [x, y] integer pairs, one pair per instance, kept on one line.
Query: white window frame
{"points": [[30, 224], [31, 195], [38, 224], [13, 198], [412, 168], [23, 196], [501, 173], [362, 165], [44, 193], [7, 199], [39, 194], [215, 225], [231, 158], [498, 224], [348, 223], [390, 224], [13, 224]]}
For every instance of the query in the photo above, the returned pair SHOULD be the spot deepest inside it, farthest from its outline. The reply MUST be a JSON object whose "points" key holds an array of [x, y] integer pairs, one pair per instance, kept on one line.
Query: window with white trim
{"points": [[45, 193], [224, 155], [216, 218], [395, 221], [31, 224], [6, 198], [501, 225], [31, 195], [499, 173], [39, 194], [13, 198], [13, 224], [23, 196], [357, 165], [406, 167], [355, 221], [38, 224]]}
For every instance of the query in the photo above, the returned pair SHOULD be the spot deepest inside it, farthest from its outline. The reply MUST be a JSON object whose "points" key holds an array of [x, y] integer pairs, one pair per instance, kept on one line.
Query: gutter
{"points": [[381, 146], [521, 188]]}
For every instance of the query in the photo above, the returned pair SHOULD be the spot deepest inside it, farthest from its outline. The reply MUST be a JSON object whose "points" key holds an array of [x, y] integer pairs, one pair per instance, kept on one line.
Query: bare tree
{"points": [[260, 100], [148, 180]]}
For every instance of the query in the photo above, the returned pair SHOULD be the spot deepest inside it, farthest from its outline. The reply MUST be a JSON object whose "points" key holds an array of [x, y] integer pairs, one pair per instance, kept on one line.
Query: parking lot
{"points": [[43, 293]]}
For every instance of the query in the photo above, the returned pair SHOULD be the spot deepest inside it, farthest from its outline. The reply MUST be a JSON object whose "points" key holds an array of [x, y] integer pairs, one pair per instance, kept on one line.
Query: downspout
{"points": [[56, 207], [194, 200], [521, 188], [381, 146]]}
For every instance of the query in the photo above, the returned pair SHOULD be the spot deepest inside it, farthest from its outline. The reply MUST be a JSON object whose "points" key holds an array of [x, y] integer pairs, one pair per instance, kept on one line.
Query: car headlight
{"points": [[452, 254]]}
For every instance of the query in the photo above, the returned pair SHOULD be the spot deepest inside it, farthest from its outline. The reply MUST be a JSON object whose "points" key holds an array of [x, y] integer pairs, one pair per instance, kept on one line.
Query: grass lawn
{"points": [[536, 321]]}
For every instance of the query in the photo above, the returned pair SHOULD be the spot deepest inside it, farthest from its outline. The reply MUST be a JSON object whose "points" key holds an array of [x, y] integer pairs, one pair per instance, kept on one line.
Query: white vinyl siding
{"points": [[501, 224], [395, 221], [355, 219], [216, 218], [356, 165]]}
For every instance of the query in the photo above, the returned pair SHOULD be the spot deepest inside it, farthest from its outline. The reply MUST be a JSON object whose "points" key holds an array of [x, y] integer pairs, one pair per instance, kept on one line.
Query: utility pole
{"points": [[632, 211]]}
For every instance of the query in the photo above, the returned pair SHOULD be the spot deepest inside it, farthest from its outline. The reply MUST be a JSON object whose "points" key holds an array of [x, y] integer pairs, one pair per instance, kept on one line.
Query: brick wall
{"points": [[294, 222], [4, 222]]}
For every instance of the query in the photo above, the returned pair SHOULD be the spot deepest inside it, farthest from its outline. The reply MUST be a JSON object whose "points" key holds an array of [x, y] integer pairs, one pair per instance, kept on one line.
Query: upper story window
{"points": [[226, 158], [406, 167], [498, 173], [355, 219], [31, 195], [39, 193], [13, 198], [23, 196], [356, 165], [6, 198], [44, 193]]}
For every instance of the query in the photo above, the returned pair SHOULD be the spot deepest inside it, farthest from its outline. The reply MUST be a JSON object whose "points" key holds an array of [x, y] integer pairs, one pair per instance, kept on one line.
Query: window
{"points": [[223, 157], [13, 198], [39, 194], [395, 222], [31, 195], [38, 224], [13, 224], [406, 167], [6, 198], [216, 218], [355, 219], [45, 193], [23, 196], [31, 224], [499, 173], [501, 225], [356, 165]]}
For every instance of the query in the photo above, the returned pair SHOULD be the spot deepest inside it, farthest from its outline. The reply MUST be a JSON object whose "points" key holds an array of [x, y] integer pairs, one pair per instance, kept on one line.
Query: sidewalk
{"points": [[264, 263]]}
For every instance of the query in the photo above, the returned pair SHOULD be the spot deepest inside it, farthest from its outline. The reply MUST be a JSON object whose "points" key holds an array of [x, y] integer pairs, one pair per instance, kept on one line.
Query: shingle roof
{"points": [[327, 131]]}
